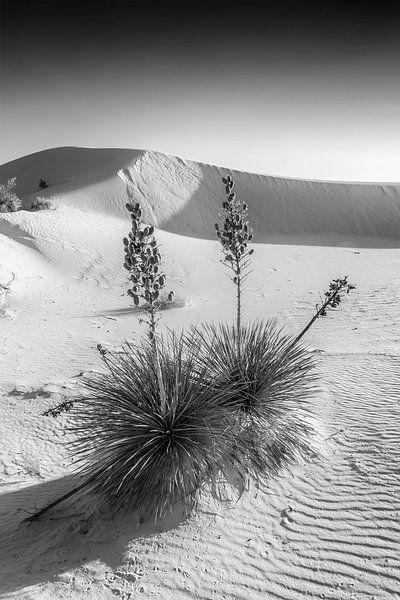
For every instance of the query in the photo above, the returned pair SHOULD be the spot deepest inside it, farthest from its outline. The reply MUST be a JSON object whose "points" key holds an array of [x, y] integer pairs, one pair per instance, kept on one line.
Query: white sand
{"points": [[328, 529]]}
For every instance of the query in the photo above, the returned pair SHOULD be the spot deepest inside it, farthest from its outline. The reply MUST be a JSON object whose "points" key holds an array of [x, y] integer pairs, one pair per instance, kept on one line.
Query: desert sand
{"points": [[328, 528]]}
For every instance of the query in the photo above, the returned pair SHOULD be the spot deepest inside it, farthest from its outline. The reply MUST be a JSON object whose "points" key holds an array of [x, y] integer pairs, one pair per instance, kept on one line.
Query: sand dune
{"points": [[182, 196], [327, 529]]}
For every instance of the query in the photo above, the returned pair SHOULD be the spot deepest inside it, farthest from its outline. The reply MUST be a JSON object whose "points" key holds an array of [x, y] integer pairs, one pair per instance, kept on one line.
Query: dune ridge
{"points": [[182, 196]]}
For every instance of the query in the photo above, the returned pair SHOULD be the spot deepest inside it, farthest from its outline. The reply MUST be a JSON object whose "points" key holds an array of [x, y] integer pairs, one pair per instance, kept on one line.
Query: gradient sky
{"points": [[296, 89]]}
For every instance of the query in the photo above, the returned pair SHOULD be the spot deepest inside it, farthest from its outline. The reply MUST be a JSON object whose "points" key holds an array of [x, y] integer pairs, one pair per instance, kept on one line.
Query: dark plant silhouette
{"points": [[234, 234], [41, 203], [57, 410], [143, 261], [274, 379], [333, 297], [9, 201], [135, 456]]}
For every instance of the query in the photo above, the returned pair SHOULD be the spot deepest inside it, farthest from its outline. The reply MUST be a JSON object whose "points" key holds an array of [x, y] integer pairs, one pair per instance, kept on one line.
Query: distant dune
{"points": [[181, 196]]}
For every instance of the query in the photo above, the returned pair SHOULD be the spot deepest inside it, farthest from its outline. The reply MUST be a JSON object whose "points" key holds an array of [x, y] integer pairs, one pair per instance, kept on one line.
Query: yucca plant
{"points": [[273, 373], [134, 456], [274, 378]]}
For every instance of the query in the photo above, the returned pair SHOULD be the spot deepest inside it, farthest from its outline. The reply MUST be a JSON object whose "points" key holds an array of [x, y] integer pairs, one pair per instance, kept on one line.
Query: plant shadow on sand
{"points": [[70, 535], [136, 310]]}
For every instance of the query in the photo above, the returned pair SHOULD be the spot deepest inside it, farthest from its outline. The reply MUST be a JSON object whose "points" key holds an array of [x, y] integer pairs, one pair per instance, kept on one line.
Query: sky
{"points": [[299, 89]]}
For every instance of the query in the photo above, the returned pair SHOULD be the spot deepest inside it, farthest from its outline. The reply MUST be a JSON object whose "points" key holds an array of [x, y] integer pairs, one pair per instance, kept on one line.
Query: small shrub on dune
{"points": [[9, 201], [41, 203]]}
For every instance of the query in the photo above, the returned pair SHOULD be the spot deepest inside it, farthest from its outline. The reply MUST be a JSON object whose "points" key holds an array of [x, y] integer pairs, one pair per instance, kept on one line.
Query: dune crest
{"points": [[183, 196]]}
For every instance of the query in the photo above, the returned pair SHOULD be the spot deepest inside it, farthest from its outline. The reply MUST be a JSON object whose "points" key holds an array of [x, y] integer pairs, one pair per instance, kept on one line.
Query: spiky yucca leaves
{"points": [[131, 453], [275, 380]]}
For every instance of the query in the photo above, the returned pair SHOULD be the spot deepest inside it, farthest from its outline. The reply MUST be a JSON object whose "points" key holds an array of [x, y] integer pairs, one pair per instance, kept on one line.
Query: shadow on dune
{"points": [[284, 211], [14, 232], [185, 198], [71, 534], [66, 168]]}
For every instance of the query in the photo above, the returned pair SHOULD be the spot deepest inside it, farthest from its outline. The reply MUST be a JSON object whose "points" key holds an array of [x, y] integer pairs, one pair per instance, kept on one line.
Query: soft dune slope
{"points": [[183, 196]]}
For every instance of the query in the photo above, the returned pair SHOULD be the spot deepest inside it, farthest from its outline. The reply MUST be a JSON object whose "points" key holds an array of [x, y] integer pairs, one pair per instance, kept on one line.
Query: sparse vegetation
{"points": [[274, 379], [65, 406], [9, 201], [171, 416], [143, 261], [332, 298], [136, 456], [273, 373], [42, 203], [234, 235]]}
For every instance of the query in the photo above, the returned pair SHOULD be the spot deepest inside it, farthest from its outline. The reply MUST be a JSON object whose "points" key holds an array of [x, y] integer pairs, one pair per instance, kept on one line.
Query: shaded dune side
{"points": [[184, 197], [65, 169]]}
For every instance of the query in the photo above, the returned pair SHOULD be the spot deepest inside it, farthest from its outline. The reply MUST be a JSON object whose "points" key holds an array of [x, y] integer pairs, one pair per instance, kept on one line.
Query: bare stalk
{"points": [[153, 338], [238, 308]]}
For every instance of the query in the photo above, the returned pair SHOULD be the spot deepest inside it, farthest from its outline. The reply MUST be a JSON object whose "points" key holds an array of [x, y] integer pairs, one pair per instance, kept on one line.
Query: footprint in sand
{"points": [[286, 518]]}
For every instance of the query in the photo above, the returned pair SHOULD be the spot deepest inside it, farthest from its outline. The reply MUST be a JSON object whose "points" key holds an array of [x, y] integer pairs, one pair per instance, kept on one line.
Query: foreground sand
{"points": [[329, 528]]}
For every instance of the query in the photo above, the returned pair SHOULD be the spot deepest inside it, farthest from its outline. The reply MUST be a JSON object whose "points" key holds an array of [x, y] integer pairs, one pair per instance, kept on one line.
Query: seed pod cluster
{"points": [[235, 232], [333, 295], [142, 260]]}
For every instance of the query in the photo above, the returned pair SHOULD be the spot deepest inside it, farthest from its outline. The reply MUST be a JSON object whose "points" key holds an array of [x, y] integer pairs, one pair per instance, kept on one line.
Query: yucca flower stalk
{"points": [[333, 297], [143, 261], [234, 234]]}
